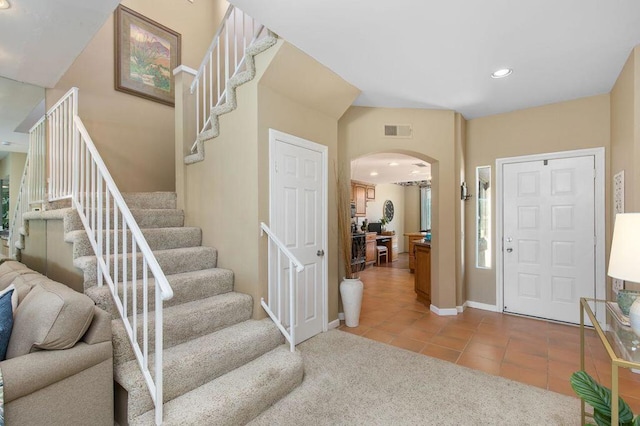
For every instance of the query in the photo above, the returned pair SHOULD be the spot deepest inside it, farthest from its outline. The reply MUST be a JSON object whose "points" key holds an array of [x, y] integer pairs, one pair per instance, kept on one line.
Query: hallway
{"points": [[539, 353]]}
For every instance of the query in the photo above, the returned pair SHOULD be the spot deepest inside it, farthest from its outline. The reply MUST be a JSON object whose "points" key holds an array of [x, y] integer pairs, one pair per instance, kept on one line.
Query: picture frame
{"points": [[146, 53]]}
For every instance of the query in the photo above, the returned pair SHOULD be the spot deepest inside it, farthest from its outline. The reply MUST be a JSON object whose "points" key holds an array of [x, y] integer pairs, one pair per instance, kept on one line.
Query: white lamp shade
{"points": [[624, 260]]}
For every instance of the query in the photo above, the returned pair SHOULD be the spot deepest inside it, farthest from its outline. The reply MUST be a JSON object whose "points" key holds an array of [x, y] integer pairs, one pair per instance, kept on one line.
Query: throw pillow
{"points": [[14, 297], [6, 323]]}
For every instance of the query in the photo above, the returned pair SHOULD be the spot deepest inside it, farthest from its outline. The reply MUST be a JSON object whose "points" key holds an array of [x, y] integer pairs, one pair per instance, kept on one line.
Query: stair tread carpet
{"points": [[186, 321], [236, 397], [146, 218], [157, 238], [150, 200], [211, 355], [172, 261], [186, 286]]}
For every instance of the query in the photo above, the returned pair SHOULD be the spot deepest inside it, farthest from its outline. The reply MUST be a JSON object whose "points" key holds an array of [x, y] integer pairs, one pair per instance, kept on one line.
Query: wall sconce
{"points": [[464, 192]]}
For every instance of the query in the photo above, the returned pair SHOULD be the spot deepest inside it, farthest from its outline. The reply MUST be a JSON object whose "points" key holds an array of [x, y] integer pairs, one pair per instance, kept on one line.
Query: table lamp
{"points": [[624, 259]]}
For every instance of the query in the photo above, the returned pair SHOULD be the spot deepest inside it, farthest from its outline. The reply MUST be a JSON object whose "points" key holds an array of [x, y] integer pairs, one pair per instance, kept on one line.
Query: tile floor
{"points": [[536, 352]]}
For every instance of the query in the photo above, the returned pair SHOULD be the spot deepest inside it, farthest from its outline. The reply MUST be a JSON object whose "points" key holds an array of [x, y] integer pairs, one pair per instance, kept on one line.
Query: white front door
{"points": [[298, 218], [548, 236]]}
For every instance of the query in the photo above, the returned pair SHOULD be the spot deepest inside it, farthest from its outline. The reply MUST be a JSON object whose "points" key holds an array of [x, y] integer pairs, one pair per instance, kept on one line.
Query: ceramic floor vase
{"points": [[351, 292]]}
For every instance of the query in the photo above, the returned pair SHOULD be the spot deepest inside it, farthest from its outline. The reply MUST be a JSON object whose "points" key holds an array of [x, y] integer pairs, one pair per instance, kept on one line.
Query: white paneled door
{"points": [[548, 236], [298, 218]]}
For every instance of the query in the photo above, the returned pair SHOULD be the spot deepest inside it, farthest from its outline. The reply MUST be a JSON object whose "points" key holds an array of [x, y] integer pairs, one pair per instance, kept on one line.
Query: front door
{"points": [[298, 218], [549, 236]]}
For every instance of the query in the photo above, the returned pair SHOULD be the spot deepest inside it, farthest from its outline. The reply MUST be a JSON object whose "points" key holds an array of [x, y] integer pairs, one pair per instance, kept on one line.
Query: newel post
{"points": [[185, 131]]}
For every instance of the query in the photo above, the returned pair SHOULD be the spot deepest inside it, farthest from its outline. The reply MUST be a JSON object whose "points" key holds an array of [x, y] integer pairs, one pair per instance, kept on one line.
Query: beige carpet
{"points": [[350, 380]]}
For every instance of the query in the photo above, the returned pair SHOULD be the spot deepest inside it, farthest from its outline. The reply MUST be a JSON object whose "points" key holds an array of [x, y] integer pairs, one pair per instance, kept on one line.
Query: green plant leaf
{"points": [[599, 397]]}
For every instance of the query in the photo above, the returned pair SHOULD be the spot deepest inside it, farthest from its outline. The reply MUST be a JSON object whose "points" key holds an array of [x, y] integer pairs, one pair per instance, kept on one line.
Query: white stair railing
{"points": [[37, 159], [61, 137], [224, 59], [283, 270], [123, 259], [21, 207]]}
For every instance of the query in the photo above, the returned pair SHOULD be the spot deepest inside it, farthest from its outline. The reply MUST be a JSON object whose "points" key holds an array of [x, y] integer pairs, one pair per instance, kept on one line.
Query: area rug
{"points": [[350, 380]]}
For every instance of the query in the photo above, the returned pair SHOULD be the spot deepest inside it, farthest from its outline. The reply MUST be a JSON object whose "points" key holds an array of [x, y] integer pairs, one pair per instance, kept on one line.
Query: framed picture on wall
{"points": [[146, 53]]}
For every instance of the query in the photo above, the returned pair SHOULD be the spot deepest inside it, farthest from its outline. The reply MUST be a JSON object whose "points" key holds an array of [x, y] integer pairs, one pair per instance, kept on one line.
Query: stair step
{"points": [[157, 238], [150, 200], [184, 322], [187, 287], [237, 397], [173, 261], [146, 218], [196, 362]]}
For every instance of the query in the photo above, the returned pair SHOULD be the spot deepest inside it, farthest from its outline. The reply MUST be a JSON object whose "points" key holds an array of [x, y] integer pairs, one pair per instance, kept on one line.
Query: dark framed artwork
{"points": [[146, 53]]}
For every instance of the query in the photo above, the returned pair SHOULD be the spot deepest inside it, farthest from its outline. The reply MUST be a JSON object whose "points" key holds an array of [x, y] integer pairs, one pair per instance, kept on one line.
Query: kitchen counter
{"points": [[412, 239]]}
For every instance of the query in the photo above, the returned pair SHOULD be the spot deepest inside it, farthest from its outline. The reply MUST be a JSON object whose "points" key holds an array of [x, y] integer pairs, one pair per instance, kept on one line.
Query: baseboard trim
{"points": [[443, 311], [461, 309], [483, 306], [333, 324], [340, 316]]}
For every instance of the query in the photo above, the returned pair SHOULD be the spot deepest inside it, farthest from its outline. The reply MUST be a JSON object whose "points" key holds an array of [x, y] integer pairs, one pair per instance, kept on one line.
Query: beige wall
{"points": [[578, 124], [625, 134], [411, 210], [395, 193], [12, 167], [135, 136], [434, 136], [228, 193]]}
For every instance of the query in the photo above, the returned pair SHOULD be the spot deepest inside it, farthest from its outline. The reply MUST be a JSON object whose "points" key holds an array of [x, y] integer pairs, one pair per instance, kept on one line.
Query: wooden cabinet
{"points": [[371, 192], [361, 193], [371, 248], [394, 248], [423, 272], [412, 238]]}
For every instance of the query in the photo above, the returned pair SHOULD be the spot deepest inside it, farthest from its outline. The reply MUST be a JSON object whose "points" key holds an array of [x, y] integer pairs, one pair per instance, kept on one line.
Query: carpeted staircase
{"points": [[220, 366]]}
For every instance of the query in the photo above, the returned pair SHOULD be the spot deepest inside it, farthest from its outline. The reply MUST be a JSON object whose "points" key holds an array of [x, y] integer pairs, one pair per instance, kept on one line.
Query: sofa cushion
{"points": [[9, 271], [51, 316], [6, 322]]}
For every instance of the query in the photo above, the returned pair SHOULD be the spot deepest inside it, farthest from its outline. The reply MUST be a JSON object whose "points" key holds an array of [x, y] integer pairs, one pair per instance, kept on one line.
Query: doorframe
{"points": [[276, 136], [599, 217]]}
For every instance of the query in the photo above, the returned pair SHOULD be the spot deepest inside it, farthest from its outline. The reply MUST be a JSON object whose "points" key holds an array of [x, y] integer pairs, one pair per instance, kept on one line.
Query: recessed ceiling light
{"points": [[4, 4], [373, 174], [393, 164], [501, 73], [415, 172]]}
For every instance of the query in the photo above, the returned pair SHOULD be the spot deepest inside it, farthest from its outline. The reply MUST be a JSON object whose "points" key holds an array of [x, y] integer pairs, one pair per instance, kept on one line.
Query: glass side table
{"points": [[620, 342]]}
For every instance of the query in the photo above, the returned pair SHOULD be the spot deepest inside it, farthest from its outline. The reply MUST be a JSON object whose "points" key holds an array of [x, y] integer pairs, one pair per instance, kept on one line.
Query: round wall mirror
{"points": [[387, 210]]}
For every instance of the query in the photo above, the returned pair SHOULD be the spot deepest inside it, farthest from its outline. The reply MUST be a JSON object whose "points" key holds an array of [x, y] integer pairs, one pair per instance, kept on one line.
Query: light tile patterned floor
{"points": [[536, 352]]}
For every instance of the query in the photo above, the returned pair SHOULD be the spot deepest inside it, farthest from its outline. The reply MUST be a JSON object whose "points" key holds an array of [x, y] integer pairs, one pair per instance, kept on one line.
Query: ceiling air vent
{"points": [[397, 130]]}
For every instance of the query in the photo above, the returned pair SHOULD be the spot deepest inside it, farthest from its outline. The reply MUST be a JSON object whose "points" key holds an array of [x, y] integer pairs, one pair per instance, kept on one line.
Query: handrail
{"points": [[21, 207], [95, 192], [275, 308], [62, 135], [36, 155], [223, 60], [265, 229]]}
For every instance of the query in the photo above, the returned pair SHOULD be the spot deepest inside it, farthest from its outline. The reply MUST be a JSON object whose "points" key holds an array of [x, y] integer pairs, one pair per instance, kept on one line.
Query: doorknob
{"points": [[509, 250], [320, 253]]}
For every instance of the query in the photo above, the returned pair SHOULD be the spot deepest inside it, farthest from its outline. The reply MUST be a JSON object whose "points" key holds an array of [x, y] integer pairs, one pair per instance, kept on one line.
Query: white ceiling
{"points": [[40, 40], [406, 169], [406, 53], [440, 54]]}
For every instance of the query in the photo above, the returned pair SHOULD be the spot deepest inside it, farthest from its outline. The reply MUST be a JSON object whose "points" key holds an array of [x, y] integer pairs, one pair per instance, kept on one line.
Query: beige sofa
{"points": [[59, 366]]}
